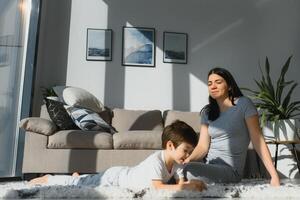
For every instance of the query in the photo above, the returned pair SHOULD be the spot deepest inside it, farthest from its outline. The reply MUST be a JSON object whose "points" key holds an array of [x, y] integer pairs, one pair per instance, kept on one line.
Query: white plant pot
{"points": [[283, 130]]}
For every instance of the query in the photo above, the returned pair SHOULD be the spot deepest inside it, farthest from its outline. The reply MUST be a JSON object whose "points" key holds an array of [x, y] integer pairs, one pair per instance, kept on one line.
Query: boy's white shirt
{"points": [[152, 168]]}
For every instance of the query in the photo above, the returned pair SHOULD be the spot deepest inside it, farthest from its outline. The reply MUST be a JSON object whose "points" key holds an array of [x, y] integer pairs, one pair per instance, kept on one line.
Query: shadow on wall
{"points": [[151, 117], [53, 46], [286, 163], [52, 57]]}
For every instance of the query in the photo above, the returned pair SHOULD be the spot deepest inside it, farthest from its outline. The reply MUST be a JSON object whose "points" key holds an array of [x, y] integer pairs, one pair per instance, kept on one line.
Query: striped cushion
{"points": [[88, 120]]}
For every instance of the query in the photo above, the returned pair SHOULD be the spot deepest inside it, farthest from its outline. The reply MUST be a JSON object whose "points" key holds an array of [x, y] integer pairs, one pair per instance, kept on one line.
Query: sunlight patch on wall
{"points": [[148, 88], [218, 35], [198, 93], [129, 25]]}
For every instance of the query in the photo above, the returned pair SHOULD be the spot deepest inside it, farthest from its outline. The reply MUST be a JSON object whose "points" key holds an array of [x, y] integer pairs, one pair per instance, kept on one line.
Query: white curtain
{"points": [[12, 19]]}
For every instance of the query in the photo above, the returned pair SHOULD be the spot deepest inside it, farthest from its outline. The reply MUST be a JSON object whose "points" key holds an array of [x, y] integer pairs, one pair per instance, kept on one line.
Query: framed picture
{"points": [[99, 44], [138, 46], [175, 47]]}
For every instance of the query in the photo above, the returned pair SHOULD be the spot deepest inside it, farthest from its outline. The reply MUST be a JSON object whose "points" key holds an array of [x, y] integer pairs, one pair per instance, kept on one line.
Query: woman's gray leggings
{"points": [[209, 173]]}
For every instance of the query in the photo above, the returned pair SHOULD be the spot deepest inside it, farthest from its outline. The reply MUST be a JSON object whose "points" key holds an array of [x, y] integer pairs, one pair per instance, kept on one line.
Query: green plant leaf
{"points": [[269, 101], [287, 83], [288, 96], [280, 81], [260, 86], [269, 81], [292, 116], [48, 91], [293, 107], [263, 119]]}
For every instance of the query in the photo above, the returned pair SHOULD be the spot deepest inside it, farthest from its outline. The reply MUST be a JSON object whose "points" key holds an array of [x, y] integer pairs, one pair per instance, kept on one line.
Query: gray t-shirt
{"points": [[229, 135]]}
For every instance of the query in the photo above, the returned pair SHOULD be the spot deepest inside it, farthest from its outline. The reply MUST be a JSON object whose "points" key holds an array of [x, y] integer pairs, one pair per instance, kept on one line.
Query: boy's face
{"points": [[182, 151]]}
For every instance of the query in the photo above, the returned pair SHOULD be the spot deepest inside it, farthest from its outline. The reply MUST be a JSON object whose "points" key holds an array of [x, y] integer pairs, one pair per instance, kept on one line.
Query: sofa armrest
{"points": [[38, 125]]}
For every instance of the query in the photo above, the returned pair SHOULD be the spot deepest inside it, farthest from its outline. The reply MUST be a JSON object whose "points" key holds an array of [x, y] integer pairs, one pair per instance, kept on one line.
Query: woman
{"points": [[228, 123]]}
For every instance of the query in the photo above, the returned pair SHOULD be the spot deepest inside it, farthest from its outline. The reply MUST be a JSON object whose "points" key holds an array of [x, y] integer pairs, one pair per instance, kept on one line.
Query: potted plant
{"points": [[277, 113], [49, 93]]}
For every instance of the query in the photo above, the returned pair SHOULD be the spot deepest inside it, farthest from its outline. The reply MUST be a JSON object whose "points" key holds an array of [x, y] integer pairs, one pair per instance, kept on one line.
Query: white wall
{"points": [[233, 34]]}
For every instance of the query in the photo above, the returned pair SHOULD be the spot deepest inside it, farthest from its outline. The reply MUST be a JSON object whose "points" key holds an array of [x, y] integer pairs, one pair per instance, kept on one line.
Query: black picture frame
{"points": [[138, 46], [99, 44], [175, 47]]}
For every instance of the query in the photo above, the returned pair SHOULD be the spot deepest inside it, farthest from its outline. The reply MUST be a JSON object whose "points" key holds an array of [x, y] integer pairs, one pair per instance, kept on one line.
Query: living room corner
{"points": [[136, 92]]}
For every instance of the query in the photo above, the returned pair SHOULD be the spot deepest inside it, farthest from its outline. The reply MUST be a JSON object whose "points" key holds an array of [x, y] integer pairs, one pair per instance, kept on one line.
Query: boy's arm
{"points": [[180, 180], [181, 185]]}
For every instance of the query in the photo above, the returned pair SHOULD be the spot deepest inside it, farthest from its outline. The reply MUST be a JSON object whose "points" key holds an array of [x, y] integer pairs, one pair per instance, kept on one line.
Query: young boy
{"points": [[178, 142]]}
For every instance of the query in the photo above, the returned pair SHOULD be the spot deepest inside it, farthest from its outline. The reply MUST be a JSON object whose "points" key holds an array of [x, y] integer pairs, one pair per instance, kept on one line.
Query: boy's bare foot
{"points": [[39, 180], [75, 174]]}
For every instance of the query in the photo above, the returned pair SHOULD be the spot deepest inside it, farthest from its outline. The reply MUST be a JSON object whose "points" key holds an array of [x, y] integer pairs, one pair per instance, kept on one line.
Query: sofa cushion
{"points": [[44, 112], [38, 125], [125, 120], [88, 120], [78, 139], [137, 140], [191, 118], [59, 115], [106, 115], [79, 97]]}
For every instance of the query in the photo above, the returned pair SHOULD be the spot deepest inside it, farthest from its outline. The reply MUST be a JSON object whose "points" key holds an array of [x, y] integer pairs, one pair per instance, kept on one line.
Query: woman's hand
{"points": [[187, 160], [275, 182]]}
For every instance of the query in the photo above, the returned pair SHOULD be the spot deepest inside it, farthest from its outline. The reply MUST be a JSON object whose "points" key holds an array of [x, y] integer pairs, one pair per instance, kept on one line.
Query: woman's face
{"points": [[217, 87]]}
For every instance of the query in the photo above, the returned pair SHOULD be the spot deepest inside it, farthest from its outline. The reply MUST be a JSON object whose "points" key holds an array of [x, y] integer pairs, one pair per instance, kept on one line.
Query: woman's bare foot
{"points": [[75, 174], [39, 180]]}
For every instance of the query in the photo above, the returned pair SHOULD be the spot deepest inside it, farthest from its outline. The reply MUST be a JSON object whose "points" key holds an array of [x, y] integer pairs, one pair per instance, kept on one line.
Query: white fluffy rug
{"points": [[246, 189]]}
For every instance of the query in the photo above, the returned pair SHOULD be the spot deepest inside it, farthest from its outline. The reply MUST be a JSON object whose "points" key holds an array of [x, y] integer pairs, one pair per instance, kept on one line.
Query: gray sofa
{"points": [[139, 135]]}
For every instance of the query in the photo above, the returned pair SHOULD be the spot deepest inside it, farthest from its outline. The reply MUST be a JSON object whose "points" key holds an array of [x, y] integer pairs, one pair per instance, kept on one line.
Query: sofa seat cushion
{"points": [[132, 120], [191, 118], [137, 140], [78, 139]]}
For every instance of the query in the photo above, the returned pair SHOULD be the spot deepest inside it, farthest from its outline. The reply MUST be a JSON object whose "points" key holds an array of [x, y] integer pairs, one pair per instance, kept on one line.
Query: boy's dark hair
{"points": [[179, 132]]}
